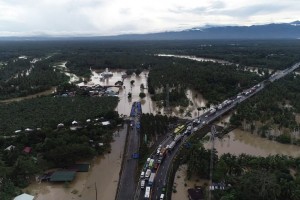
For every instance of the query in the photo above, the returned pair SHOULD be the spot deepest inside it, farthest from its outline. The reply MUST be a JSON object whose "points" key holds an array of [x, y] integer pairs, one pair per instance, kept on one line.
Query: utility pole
{"points": [[96, 191], [212, 139]]}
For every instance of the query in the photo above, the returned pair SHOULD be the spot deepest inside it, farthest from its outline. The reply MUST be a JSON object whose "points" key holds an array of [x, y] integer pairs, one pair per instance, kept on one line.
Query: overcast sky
{"points": [[111, 17]]}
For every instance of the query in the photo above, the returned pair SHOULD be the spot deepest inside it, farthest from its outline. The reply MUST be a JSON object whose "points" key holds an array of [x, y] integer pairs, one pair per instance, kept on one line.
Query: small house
{"points": [[60, 125], [62, 176], [106, 123], [28, 130], [24, 196], [196, 193], [27, 149], [10, 148]]}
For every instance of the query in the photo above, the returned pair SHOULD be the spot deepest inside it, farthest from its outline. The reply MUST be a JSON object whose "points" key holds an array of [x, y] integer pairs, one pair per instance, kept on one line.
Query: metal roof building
{"points": [[63, 176]]}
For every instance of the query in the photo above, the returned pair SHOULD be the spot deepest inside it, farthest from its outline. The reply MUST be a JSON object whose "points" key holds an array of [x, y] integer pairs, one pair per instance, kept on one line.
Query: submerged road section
{"points": [[127, 182]]}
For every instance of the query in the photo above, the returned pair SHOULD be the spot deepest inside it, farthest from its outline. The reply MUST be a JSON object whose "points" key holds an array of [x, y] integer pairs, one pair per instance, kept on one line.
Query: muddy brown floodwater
{"points": [[148, 106], [103, 176], [238, 142], [47, 92], [182, 184]]}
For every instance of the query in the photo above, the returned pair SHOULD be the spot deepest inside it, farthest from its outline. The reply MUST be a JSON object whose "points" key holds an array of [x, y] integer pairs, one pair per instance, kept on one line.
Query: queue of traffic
{"points": [[211, 115]]}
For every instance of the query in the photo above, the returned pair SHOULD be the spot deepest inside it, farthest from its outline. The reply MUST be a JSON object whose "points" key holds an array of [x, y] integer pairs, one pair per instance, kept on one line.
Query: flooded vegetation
{"points": [[63, 69], [182, 184], [44, 93], [148, 105], [237, 142], [103, 176], [198, 59]]}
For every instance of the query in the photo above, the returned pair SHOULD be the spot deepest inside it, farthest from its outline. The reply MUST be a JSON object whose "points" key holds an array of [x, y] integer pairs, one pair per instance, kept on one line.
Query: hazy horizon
{"points": [[117, 17]]}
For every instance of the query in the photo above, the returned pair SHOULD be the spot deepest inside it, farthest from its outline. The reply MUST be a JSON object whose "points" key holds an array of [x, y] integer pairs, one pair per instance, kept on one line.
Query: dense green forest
{"points": [[215, 81], [250, 177], [134, 55], [275, 108], [50, 149], [47, 112], [51, 146], [153, 127], [22, 78]]}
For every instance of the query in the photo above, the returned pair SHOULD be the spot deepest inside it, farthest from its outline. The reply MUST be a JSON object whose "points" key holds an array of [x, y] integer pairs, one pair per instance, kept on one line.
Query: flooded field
{"points": [[199, 59], [102, 178], [63, 69], [148, 106], [238, 142], [182, 184], [47, 92]]}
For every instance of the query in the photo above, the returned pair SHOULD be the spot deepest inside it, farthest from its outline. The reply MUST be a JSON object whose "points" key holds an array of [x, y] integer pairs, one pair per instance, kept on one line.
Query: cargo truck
{"points": [[147, 174], [147, 192], [151, 179]]}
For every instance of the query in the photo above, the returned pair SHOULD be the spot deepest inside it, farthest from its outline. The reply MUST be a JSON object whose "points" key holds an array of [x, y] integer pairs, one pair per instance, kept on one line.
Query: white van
{"points": [[161, 197], [142, 174], [148, 160], [142, 184]]}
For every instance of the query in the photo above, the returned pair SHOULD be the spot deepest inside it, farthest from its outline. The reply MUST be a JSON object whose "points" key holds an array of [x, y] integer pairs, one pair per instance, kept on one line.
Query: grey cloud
{"points": [[252, 10]]}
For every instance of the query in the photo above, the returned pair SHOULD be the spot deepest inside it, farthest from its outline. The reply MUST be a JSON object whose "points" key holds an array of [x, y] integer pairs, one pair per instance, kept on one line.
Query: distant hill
{"points": [[267, 31]]}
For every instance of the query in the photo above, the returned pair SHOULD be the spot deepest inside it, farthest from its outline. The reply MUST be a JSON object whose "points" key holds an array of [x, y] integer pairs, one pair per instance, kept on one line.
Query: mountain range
{"points": [[267, 31]]}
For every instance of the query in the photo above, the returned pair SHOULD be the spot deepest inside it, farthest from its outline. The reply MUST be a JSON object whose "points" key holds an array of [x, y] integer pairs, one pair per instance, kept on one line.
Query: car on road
{"points": [[147, 174], [163, 189], [145, 167], [162, 197], [142, 184], [148, 160], [142, 174]]}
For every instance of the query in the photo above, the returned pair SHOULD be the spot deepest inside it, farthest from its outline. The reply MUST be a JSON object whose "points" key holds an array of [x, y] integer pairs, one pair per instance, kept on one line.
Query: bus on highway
{"points": [[147, 192], [178, 129]]}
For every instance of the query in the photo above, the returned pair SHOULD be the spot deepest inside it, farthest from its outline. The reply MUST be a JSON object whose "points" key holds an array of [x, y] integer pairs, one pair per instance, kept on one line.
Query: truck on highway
{"points": [[147, 192], [151, 163], [147, 174], [177, 138], [172, 145], [178, 129], [212, 111], [151, 179], [162, 154]]}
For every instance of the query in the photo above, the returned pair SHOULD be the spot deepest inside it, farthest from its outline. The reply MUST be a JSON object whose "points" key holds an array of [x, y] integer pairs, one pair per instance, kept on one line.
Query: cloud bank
{"points": [[113, 17]]}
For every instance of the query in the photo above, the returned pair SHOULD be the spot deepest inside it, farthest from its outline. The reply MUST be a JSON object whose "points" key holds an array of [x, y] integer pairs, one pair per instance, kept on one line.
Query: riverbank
{"points": [[102, 178]]}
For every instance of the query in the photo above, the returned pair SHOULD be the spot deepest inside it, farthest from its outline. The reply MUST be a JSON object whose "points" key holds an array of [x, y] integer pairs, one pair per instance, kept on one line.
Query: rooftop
{"points": [[62, 176], [24, 196], [196, 193]]}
